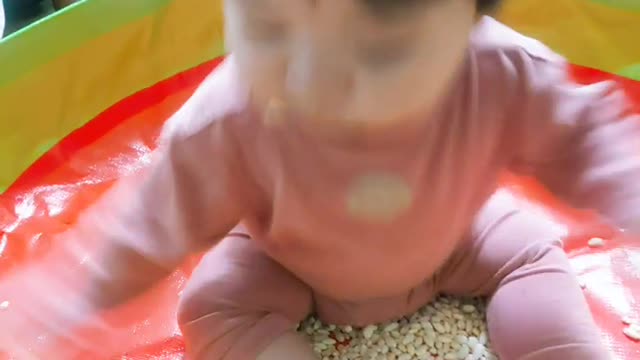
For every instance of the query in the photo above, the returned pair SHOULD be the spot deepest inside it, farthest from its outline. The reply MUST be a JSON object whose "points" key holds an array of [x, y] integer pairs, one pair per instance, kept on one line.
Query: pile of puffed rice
{"points": [[447, 329]]}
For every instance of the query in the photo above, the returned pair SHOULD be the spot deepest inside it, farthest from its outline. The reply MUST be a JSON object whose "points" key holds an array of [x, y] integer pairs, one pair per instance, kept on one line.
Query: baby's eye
{"points": [[383, 56], [265, 31]]}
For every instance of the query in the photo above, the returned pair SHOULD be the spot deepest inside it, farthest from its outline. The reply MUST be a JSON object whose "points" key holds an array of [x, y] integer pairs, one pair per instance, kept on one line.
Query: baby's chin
{"points": [[362, 125], [377, 114], [277, 110], [334, 119]]}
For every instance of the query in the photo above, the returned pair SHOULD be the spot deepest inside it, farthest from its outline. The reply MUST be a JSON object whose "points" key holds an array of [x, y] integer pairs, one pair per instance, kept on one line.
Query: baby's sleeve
{"points": [[192, 193], [582, 142]]}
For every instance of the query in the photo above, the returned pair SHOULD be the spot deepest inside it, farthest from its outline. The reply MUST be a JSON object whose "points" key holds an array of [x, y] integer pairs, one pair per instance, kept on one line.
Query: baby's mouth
{"points": [[279, 112]]}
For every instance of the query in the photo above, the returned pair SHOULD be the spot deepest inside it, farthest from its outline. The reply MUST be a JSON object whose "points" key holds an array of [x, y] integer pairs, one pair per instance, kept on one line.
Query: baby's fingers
{"points": [[44, 312], [21, 338]]}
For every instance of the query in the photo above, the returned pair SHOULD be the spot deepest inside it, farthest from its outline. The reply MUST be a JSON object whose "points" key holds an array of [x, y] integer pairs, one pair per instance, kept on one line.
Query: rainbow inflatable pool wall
{"points": [[84, 93]]}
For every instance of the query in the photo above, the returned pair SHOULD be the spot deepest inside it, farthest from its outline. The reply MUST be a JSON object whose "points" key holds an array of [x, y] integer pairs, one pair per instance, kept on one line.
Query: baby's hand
{"points": [[41, 316]]}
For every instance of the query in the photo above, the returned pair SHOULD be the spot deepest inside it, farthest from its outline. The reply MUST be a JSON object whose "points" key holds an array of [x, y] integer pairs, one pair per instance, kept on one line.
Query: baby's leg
{"points": [[537, 310], [240, 304]]}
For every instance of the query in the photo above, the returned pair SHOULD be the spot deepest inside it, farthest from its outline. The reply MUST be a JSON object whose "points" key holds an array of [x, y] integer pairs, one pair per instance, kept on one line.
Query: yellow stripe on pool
{"points": [[587, 32]]}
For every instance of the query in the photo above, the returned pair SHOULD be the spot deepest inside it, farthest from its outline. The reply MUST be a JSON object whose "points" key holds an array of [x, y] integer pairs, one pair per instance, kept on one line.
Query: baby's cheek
{"points": [[266, 79]]}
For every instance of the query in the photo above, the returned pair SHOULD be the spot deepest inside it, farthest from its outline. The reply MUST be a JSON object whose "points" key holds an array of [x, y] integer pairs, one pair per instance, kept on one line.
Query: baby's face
{"points": [[349, 60]]}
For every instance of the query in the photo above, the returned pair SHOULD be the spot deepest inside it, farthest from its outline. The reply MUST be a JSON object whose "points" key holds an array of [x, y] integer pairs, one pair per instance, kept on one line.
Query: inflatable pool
{"points": [[84, 93]]}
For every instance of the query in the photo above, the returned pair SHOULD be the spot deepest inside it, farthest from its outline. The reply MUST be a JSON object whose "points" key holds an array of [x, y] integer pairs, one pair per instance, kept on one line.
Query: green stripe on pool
{"points": [[633, 5], [49, 38], [631, 72]]}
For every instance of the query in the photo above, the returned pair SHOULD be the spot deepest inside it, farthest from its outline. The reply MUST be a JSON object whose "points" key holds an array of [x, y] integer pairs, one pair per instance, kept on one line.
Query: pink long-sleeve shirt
{"points": [[336, 208]]}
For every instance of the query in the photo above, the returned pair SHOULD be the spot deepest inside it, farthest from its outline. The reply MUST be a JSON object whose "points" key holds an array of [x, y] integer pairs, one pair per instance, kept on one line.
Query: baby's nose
{"points": [[319, 86]]}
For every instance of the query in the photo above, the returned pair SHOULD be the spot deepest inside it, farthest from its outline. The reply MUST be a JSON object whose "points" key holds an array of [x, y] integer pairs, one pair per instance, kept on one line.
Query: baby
{"points": [[359, 144]]}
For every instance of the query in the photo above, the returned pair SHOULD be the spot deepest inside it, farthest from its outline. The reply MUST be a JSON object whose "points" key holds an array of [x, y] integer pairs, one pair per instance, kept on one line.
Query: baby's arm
{"points": [[582, 142], [190, 195], [188, 199]]}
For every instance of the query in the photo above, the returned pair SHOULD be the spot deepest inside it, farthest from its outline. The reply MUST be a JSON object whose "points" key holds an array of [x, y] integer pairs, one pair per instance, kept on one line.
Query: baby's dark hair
{"points": [[386, 6], [485, 6]]}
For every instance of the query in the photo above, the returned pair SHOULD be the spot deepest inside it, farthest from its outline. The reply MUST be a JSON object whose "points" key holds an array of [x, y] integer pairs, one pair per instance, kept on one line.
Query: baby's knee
{"points": [[217, 329], [224, 298], [236, 277], [545, 254], [219, 298], [505, 233], [194, 305], [238, 302], [539, 259]]}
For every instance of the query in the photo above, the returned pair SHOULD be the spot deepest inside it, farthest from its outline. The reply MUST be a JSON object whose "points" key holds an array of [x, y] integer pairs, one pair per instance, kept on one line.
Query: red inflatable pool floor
{"points": [[49, 196]]}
